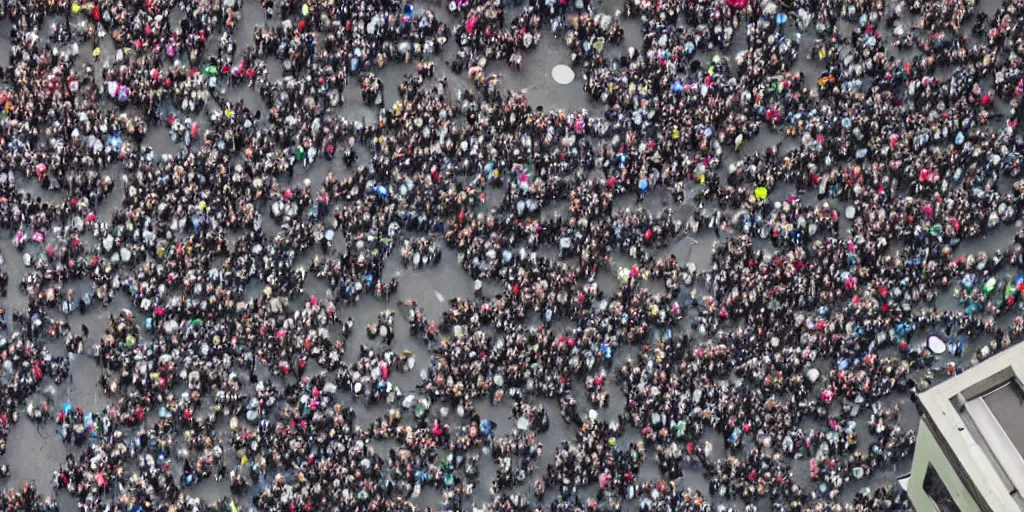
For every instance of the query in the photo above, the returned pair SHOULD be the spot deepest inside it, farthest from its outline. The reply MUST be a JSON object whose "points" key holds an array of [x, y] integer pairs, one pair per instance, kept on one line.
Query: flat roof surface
{"points": [[1007, 404]]}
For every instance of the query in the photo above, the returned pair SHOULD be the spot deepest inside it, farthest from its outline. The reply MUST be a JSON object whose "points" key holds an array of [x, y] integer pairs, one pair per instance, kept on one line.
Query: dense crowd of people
{"points": [[780, 372]]}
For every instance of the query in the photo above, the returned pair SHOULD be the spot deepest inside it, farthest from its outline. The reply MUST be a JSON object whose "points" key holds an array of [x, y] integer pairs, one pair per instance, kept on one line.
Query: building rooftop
{"points": [[980, 417]]}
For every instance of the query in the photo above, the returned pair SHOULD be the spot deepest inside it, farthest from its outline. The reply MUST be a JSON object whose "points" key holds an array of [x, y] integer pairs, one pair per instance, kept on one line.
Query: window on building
{"points": [[936, 489]]}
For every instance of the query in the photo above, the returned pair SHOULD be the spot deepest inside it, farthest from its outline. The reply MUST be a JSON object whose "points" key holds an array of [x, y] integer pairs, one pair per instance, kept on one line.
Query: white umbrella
{"points": [[563, 74], [936, 345], [523, 423], [126, 255], [170, 326], [851, 212], [812, 375]]}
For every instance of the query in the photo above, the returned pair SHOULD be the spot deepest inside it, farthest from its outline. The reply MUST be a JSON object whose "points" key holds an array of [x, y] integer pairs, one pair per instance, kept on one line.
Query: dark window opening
{"points": [[936, 489]]}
